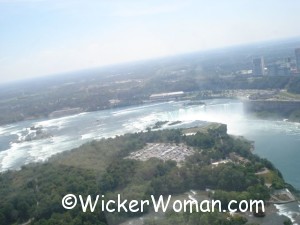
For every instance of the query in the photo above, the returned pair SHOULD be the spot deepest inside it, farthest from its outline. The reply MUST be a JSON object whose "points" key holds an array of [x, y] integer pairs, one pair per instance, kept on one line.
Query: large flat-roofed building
{"points": [[297, 53], [166, 96], [258, 66]]}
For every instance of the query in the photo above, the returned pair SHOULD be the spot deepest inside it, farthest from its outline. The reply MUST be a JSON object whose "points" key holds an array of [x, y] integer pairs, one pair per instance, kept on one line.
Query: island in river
{"points": [[211, 159]]}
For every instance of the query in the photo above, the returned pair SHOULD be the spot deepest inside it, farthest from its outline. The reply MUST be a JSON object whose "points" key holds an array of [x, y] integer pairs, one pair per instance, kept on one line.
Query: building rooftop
{"points": [[164, 151]]}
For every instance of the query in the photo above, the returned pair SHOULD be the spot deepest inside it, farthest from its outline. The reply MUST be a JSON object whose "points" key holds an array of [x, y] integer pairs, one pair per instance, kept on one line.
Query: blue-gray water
{"points": [[278, 141]]}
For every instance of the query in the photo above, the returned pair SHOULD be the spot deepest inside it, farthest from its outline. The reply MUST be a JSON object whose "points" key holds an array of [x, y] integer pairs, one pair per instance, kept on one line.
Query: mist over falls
{"points": [[271, 137]]}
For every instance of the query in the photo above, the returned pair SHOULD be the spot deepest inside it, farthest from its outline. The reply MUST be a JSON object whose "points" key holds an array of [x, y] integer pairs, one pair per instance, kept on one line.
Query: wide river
{"points": [[278, 141]]}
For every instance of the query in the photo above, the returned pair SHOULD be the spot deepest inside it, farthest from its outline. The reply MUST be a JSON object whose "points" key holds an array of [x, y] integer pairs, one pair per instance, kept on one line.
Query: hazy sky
{"points": [[41, 37]]}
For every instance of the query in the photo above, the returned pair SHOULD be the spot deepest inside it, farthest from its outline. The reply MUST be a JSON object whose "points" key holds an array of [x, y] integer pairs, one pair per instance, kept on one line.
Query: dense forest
{"points": [[34, 193]]}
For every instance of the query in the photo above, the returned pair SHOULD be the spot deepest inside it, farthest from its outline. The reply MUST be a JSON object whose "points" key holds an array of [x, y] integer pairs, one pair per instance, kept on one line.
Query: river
{"points": [[278, 141]]}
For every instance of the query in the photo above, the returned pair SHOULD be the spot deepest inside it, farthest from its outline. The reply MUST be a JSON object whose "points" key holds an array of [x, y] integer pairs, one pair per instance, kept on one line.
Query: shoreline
{"points": [[258, 115], [274, 216]]}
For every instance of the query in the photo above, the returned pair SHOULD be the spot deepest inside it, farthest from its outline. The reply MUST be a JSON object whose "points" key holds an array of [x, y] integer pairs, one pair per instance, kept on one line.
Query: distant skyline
{"points": [[43, 37]]}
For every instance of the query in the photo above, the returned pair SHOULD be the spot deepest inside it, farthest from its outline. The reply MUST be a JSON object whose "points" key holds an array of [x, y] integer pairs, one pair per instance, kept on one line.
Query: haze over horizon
{"points": [[42, 37]]}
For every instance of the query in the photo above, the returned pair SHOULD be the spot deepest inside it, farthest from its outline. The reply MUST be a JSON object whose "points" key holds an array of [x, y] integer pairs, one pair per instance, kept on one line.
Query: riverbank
{"points": [[274, 109], [274, 214], [270, 137]]}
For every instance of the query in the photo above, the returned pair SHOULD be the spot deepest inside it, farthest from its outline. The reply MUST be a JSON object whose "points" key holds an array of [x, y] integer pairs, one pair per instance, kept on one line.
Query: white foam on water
{"points": [[74, 116], [283, 210], [138, 119], [34, 151], [17, 132], [209, 113], [215, 113], [12, 155], [135, 109], [41, 150], [3, 130], [59, 123], [88, 136], [83, 113], [138, 108], [123, 112], [7, 129], [37, 150], [140, 123], [3, 154]]}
